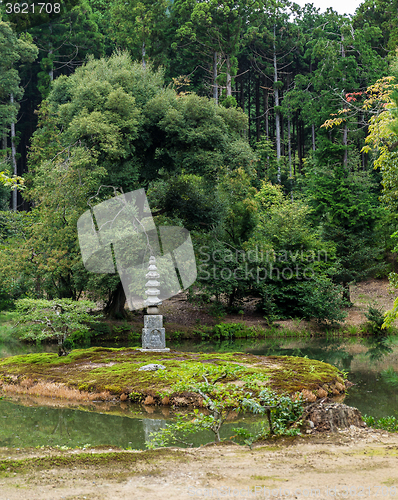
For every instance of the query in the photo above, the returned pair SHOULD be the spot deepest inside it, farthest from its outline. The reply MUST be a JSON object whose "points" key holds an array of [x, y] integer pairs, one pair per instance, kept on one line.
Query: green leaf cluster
{"points": [[40, 319]]}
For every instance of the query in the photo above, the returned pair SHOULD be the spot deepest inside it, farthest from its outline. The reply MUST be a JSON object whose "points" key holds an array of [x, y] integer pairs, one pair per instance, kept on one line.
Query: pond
{"points": [[371, 363], [25, 424]]}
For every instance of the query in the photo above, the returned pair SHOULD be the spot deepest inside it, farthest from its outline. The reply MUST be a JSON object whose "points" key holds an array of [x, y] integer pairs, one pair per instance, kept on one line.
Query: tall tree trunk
{"points": [[50, 51], [229, 79], [242, 94], [299, 148], [13, 159], [249, 103], [345, 143], [266, 110], [277, 113], [215, 85], [143, 55], [258, 130], [115, 306], [289, 145], [345, 129]]}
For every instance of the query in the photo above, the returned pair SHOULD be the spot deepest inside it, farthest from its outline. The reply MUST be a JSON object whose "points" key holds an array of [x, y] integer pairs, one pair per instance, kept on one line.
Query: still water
{"points": [[125, 426], [371, 363]]}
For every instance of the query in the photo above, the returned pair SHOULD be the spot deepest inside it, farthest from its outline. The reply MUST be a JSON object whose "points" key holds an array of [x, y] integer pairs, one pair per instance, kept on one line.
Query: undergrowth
{"points": [[389, 424]]}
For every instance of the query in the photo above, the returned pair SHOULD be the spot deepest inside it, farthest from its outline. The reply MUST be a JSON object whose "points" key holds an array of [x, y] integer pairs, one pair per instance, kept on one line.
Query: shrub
{"points": [[232, 330], [389, 424], [317, 298], [40, 319], [375, 319]]}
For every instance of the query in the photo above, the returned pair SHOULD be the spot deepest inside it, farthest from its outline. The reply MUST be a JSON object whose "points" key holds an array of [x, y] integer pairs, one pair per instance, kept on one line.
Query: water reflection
{"points": [[379, 346], [329, 351], [15, 348], [25, 426], [33, 426], [152, 425]]}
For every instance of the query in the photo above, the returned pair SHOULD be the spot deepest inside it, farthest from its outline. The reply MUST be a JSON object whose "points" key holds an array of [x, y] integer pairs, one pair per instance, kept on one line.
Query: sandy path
{"points": [[365, 460]]}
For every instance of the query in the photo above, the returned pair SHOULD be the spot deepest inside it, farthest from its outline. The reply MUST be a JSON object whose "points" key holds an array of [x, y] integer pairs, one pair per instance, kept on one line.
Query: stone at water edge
{"points": [[151, 367]]}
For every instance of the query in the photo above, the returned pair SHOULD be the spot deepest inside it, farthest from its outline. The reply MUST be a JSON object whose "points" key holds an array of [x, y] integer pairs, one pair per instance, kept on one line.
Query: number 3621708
{"points": [[33, 8]]}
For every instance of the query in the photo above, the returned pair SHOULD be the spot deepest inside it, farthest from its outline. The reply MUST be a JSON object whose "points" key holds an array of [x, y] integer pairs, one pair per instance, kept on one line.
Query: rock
{"points": [[308, 395], [151, 368], [149, 400], [332, 416], [322, 393], [123, 397], [340, 387]]}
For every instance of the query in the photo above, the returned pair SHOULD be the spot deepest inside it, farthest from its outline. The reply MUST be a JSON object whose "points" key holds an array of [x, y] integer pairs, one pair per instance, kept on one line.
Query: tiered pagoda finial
{"points": [[153, 333], [152, 292]]}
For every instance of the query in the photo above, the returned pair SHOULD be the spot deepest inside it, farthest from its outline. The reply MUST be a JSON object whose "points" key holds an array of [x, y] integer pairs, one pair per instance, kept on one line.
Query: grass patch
{"points": [[119, 459]]}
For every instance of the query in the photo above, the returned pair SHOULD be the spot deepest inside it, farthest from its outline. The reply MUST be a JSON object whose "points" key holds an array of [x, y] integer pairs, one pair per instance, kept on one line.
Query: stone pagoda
{"points": [[153, 333]]}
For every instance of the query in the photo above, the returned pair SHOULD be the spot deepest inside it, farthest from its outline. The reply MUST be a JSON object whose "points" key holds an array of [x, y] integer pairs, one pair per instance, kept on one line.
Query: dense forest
{"points": [[268, 130]]}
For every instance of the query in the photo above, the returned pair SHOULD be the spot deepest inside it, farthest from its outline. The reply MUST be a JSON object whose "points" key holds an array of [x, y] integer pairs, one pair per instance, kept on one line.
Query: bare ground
{"points": [[365, 460]]}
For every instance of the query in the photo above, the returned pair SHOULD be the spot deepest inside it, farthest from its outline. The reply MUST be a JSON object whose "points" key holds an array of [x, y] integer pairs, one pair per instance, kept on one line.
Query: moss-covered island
{"points": [[108, 373]]}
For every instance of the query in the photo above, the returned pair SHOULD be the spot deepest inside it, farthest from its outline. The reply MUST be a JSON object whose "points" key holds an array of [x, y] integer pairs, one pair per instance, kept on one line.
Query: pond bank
{"points": [[100, 373]]}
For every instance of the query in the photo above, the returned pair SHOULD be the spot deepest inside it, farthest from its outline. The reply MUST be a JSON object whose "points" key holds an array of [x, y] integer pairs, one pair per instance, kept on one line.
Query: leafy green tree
{"points": [[189, 199], [381, 14], [382, 141], [216, 29], [223, 270], [112, 123], [64, 36], [345, 204], [140, 27], [190, 134], [295, 267], [15, 51], [49, 319], [352, 64]]}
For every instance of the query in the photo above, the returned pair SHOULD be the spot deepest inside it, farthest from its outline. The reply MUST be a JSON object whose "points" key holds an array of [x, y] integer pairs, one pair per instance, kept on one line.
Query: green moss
{"points": [[117, 370]]}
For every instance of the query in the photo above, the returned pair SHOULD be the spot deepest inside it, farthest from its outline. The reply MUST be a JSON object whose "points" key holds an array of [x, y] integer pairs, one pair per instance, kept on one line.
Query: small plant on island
{"points": [[283, 413], [41, 319]]}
